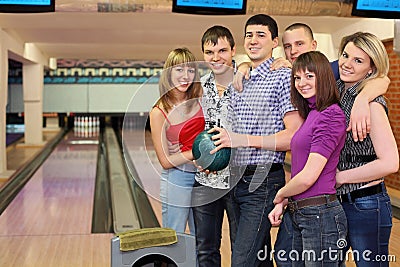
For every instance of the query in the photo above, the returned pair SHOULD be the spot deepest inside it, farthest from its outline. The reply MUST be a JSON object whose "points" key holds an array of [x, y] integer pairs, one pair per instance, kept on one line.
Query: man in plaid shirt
{"points": [[263, 122]]}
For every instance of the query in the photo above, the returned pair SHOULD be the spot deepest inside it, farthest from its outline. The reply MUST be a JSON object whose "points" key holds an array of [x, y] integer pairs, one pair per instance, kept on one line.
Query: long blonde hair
{"points": [[178, 56], [374, 48]]}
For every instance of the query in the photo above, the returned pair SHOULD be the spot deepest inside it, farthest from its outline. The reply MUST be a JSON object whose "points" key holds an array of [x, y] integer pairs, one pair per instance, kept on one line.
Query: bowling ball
{"points": [[202, 146]]}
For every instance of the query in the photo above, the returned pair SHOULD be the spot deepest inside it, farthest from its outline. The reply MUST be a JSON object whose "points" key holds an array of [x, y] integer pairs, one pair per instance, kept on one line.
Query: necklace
{"points": [[180, 108], [221, 90]]}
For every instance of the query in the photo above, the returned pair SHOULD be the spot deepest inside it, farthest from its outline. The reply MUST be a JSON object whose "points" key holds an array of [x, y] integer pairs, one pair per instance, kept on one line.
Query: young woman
{"points": [[177, 118], [318, 218], [363, 165]]}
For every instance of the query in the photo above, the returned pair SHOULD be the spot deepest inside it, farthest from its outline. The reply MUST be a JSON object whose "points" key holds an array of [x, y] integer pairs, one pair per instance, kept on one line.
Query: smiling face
{"points": [[296, 42], [354, 65], [219, 55], [182, 77], [259, 44], [305, 83]]}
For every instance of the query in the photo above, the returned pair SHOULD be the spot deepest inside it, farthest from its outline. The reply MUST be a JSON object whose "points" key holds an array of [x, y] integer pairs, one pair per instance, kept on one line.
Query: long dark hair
{"points": [[326, 90]]}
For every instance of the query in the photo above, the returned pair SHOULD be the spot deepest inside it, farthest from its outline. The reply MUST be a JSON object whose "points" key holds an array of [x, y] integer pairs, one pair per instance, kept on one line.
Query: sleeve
{"points": [[284, 92], [335, 69], [381, 100], [329, 131]]}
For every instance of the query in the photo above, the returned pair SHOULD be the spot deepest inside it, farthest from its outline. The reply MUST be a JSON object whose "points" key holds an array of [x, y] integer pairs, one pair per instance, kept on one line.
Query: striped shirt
{"points": [[259, 110], [354, 154]]}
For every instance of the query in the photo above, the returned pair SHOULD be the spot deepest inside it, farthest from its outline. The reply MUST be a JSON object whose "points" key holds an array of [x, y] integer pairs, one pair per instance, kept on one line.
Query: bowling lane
{"points": [[58, 199], [52, 214]]}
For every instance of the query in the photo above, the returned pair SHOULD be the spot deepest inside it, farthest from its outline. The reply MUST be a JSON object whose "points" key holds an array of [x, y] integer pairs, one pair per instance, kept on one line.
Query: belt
{"points": [[362, 192], [294, 205], [251, 169], [359, 158]]}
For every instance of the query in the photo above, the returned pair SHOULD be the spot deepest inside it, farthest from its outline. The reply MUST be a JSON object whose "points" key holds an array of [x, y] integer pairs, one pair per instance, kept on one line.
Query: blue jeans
{"points": [[319, 233], [370, 223], [175, 194], [284, 241], [253, 196], [208, 220]]}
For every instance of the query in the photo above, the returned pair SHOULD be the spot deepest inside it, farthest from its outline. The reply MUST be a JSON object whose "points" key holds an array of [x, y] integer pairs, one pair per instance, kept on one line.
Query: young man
{"points": [[210, 195], [297, 39], [264, 122]]}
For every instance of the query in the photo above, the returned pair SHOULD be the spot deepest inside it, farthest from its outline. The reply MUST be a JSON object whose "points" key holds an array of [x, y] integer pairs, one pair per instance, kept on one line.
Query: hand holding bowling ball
{"points": [[202, 146]]}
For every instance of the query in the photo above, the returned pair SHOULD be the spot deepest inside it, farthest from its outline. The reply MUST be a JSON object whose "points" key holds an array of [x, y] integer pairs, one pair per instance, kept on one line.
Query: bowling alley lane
{"points": [[49, 221]]}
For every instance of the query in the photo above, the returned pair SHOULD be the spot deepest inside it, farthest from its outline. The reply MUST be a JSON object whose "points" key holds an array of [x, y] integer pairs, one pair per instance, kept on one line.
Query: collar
{"points": [[312, 102], [352, 89], [263, 69]]}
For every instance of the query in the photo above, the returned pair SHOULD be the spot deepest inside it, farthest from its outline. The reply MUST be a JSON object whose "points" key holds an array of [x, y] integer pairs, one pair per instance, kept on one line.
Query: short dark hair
{"points": [[325, 84], [299, 25], [211, 35], [265, 20]]}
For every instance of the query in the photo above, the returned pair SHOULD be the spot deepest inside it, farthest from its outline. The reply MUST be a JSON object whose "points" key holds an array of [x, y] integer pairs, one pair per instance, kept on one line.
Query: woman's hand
{"points": [[275, 216]]}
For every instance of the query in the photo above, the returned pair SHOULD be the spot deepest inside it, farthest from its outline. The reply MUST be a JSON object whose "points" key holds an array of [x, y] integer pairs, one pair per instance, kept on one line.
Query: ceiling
{"points": [[76, 30]]}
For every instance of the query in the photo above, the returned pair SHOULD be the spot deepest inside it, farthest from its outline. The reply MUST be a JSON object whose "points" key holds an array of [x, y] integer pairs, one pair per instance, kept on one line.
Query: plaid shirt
{"points": [[354, 154], [259, 110]]}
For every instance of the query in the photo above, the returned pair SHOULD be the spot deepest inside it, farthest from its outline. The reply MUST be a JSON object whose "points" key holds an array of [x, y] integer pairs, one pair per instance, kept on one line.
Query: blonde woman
{"points": [[177, 118], [363, 165]]}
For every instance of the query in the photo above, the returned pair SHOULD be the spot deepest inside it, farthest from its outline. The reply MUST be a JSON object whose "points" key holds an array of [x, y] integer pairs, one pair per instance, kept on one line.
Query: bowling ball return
{"points": [[202, 146]]}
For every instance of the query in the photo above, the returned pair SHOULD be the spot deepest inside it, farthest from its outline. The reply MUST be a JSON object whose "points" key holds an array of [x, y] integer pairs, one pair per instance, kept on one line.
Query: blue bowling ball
{"points": [[202, 146]]}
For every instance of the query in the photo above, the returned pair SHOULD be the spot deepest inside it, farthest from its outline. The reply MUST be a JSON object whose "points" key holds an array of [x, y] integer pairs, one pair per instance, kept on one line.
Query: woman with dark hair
{"points": [[318, 218], [177, 118]]}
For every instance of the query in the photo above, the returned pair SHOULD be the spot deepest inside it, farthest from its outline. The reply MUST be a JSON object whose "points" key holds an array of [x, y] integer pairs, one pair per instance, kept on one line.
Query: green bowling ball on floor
{"points": [[202, 146]]}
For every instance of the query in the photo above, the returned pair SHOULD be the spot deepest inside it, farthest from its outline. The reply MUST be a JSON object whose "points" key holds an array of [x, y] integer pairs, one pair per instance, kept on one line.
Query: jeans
{"points": [[370, 223], [319, 233], [208, 220], [175, 194], [253, 200], [284, 241]]}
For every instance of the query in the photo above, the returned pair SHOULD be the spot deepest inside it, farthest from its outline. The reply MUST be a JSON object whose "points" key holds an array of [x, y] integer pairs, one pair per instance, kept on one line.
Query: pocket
{"points": [[310, 213], [335, 231], [388, 206], [341, 226], [366, 204]]}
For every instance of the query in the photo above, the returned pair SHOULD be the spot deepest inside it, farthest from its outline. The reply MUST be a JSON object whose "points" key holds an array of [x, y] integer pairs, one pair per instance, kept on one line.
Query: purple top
{"points": [[323, 133]]}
